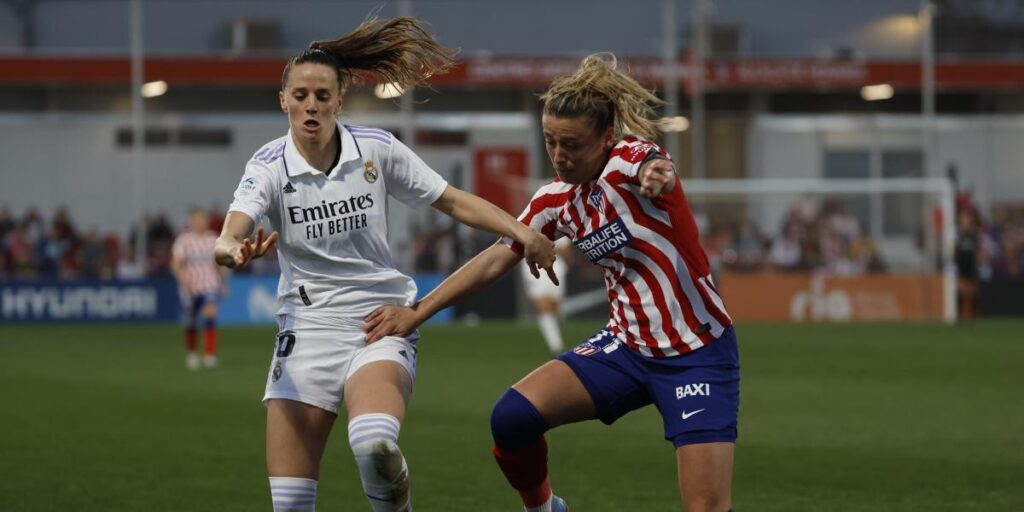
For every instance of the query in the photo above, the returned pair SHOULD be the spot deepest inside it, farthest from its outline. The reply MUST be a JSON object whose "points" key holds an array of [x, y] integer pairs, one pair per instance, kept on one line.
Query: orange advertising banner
{"points": [[817, 298]]}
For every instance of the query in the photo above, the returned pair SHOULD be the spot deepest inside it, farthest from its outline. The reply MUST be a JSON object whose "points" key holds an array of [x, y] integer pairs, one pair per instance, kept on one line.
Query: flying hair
{"points": [[397, 50], [600, 91]]}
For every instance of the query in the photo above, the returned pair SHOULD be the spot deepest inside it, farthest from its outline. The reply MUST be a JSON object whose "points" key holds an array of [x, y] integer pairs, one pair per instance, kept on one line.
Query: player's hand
{"points": [[390, 321], [540, 254], [657, 176], [250, 249]]}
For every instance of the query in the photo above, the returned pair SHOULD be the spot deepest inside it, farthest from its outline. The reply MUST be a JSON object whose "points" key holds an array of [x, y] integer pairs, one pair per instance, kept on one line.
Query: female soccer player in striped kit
{"points": [[324, 187], [201, 284], [668, 341]]}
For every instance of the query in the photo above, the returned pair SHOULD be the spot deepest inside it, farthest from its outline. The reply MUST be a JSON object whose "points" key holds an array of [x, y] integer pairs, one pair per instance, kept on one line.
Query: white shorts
{"points": [[543, 287], [312, 362]]}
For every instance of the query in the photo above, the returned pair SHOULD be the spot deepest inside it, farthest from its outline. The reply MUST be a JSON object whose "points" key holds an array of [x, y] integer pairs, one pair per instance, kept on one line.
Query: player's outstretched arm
{"points": [[479, 213], [235, 248], [478, 272]]}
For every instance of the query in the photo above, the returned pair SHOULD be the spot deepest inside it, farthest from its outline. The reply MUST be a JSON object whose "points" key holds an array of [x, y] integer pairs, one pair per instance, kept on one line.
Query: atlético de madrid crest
{"points": [[370, 171], [597, 198]]}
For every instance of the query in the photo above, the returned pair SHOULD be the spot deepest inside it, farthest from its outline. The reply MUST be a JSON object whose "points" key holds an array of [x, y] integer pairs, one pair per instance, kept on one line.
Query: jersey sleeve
{"points": [[256, 192], [539, 215], [631, 153], [409, 179]]}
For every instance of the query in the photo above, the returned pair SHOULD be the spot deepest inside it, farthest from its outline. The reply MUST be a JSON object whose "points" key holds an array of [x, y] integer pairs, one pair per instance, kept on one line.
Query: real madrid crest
{"points": [[276, 374], [370, 171]]}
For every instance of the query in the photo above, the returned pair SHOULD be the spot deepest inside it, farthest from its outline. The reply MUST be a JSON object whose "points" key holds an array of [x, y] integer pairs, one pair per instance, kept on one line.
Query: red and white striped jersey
{"points": [[199, 273], [661, 298]]}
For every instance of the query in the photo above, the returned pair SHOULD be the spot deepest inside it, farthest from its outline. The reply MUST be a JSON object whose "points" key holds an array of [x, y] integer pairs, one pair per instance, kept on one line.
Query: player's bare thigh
{"points": [[705, 476], [210, 310], [378, 387], [557, 394], [296, 436], [547, 305]]}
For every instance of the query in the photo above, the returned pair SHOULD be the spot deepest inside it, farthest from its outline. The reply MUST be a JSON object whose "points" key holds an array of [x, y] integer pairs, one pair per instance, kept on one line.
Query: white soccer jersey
{"points": [[333, 250]]}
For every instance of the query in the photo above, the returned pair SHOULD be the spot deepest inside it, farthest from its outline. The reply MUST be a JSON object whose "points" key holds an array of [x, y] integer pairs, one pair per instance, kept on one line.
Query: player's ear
{"points": [[608, 137], [280, 99]]}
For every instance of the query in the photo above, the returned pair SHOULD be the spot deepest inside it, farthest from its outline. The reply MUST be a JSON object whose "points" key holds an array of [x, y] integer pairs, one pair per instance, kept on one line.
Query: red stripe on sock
{"points": [[527, 471], [190, 340], [210, 348]]}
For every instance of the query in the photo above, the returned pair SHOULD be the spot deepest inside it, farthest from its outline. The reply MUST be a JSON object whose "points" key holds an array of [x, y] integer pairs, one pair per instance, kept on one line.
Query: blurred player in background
{"points": [[966, 256], [324, 187], [547, 297], [201, 284], [669, 340]]}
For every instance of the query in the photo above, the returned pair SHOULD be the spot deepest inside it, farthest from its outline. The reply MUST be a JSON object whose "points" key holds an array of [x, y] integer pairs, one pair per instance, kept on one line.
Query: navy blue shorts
{"points": [[697, 393], [192, 304]]}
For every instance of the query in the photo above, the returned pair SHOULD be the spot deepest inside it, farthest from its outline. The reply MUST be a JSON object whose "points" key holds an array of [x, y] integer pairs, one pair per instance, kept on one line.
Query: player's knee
{"points": [[515, 422], [384, 456], [384, 473], [382, 467]]}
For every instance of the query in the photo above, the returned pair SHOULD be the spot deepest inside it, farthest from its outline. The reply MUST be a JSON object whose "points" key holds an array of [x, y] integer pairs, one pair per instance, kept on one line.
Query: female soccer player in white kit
{"points": [[547, 297], [324, 187]]}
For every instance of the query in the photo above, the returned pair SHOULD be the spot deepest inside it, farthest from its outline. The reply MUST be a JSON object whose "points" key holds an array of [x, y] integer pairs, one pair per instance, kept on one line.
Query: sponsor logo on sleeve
{"points": [[637, 153], [248, 184]]}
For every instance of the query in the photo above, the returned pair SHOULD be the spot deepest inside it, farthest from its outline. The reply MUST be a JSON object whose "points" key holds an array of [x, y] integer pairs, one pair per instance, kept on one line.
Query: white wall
{"points": [[988, 151], [47, 162]]}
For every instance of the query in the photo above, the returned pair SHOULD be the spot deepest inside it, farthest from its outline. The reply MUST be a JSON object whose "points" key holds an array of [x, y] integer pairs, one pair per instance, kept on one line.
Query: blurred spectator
{"points": [[750, 247], [94, 257], [216, 215], [29, 249], [128, 268], [20, 254], [785, 253], [815, 235]]}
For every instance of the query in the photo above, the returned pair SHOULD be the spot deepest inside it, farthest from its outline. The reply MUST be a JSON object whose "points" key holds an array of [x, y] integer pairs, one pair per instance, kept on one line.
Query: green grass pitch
{"points": [[833, 418]]}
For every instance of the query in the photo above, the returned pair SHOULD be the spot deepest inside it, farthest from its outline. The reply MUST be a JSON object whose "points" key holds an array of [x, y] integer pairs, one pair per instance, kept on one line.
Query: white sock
{"points": [[385, 475], [552, 333], [546, 507], [293, 494]]}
